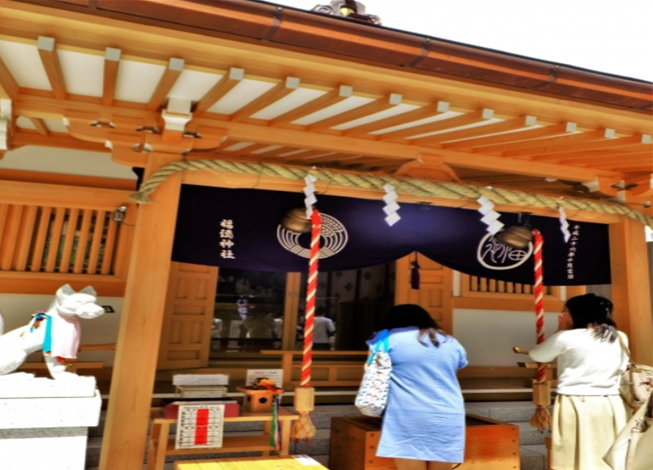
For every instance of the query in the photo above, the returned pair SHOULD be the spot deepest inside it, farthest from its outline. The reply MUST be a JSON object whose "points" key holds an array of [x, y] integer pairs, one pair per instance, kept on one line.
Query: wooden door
{"points": [[434, 293], [186, 333]]}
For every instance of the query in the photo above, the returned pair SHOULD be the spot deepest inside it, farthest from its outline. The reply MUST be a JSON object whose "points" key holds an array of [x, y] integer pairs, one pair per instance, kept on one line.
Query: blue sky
{"points": [[612, 36]]}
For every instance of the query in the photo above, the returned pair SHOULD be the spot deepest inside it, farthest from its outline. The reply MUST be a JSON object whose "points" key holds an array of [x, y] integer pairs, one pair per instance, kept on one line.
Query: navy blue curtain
{"points": [[239, 228]]}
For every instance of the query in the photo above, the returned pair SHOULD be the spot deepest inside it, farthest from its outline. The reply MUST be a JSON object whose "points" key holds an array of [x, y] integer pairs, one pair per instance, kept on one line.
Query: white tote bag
{"points": [[372, 395], [633, 449]]}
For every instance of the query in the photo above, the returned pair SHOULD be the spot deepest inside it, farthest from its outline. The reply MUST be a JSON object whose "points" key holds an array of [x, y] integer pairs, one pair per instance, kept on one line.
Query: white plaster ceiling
{"points": [[83, 73], [24, 64]]}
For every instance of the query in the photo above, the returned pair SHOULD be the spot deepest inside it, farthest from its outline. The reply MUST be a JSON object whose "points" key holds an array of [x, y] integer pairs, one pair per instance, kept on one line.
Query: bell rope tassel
{"points": [[304, 404], [304, 395], [541, 386]]}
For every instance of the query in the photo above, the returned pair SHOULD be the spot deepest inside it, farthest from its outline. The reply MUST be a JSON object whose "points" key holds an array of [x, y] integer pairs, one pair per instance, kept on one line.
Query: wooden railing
{"points": [[489, 294], [58, 233], [475, 284]]}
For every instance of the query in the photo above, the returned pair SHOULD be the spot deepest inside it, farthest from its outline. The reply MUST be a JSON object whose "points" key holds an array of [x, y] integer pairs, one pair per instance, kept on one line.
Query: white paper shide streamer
{"points": [[490, 217], [564, 225], [309, 192], [391, 207]]}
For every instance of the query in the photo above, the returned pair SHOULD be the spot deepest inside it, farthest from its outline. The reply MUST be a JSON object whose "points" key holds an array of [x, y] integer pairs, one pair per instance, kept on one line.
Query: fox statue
{"points": [[55, 331]]}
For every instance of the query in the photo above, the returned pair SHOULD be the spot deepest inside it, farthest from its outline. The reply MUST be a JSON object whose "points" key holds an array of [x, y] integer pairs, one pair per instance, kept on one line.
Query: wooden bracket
{"points": [[428, 167]]}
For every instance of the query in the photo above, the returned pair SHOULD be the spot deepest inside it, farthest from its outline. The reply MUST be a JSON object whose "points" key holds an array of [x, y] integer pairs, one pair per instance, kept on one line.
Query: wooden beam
{"points": [[24, 137], [376, 106], [592, 158], [330, 98], [51, 109], [279, 91], [8, 85], [34, 194], [462, 120], [224, 86], [631, 294], [111, 64], [67, 180], [40, 127], [630, 144], [340, 144], [505, 126], [130, 400], [541, 132], [174, 69], [430, 110], [50, 59]]}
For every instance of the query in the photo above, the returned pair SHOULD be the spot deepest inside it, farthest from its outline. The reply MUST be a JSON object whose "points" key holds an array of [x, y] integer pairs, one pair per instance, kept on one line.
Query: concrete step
{"points": [[508, 411], [532, 457]]}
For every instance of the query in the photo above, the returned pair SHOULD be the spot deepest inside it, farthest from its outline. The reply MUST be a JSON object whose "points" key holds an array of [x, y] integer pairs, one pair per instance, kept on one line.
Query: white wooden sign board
{"points": [[200, 426], [274, 374]]}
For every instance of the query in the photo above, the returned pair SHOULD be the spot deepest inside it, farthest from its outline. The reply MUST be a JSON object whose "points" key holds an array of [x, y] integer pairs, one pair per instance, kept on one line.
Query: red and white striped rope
{"points": [[538, 290], [311, 291]]}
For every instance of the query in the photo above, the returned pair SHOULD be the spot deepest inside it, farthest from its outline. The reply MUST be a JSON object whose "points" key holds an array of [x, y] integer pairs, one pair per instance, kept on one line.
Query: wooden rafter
{"points": [[535, 147], [224, 86], [427, 111], [505, 126], [50, 60], [8, 85], [40, 126], [330, 98], [376, 106], [111, 64], [457, 121], [253, 149], [279, 91], [172, 72], [542, 132], [281, 150], [476, 117]]}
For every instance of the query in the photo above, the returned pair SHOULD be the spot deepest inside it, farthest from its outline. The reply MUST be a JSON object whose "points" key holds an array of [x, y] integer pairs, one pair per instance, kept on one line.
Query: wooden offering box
{"points": [[490, 445]]}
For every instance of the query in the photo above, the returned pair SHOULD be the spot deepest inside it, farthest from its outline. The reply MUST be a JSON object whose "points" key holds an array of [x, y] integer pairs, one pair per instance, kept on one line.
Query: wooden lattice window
{"points": [[57, 240]]}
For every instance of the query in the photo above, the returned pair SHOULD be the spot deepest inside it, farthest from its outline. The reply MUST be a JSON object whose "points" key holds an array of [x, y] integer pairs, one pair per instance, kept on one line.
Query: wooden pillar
{"points": [[630, 287], [134, 369]]}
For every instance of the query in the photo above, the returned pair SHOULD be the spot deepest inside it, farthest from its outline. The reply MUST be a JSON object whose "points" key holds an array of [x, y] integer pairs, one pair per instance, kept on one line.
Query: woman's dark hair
{"points": [[593, 311], [406, 315]]}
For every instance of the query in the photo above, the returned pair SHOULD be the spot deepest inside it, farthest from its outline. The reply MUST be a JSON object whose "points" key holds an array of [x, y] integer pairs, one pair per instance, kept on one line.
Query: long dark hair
{"points": [[406, 315], [593, 311]]}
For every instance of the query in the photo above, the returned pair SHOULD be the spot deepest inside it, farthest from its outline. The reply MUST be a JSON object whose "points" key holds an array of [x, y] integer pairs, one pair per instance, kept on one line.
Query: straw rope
{"points": [[414, 187]]}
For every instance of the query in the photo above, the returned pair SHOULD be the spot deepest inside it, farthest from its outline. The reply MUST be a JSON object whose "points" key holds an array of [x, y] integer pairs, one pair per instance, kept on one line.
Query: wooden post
{"points": [[125, 433], [630, 287]]}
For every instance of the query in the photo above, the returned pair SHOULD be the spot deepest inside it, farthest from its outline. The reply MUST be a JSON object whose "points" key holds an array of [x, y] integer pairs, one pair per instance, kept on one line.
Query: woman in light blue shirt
{"points": [[424, 421]]}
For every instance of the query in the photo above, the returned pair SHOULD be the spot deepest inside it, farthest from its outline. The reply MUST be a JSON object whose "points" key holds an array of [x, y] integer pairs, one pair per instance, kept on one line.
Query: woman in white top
{"points": [[588, 412]]}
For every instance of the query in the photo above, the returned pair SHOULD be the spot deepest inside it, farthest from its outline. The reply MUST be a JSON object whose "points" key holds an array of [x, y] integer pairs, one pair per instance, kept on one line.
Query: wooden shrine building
{"points": [[264, 94]]}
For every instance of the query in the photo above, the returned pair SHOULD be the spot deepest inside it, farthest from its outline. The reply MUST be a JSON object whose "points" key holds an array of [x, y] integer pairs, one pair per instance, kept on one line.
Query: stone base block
{"points": [[43, 448], [46, 433]]}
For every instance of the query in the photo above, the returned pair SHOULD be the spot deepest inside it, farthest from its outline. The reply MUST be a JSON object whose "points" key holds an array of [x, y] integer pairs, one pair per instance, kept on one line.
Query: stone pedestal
{"points": [[49, 429]]}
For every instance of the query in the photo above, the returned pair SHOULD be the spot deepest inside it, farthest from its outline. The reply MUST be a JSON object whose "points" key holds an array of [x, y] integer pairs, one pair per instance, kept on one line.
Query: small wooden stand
{"points": [[162, 444]]}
